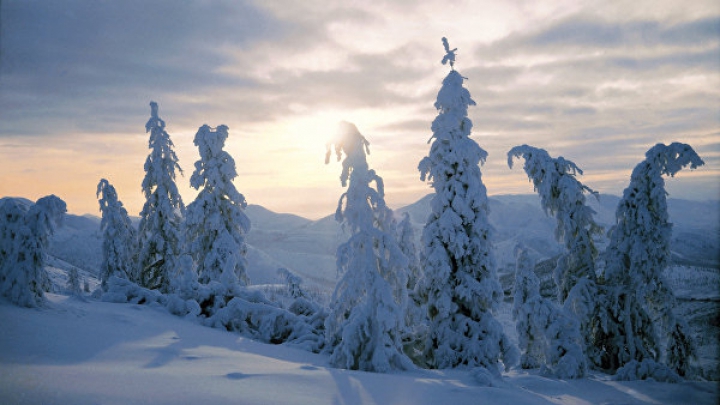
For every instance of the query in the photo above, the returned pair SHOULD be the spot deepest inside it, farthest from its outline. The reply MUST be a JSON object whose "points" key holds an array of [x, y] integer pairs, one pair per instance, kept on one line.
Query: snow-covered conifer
{"points": [[366, 322], [549, 336], [119, 237], [216, 223], [293, 282], [460, 277], [23, 276], [161, 217], [637, 319], [563, 196], [73, 282]]}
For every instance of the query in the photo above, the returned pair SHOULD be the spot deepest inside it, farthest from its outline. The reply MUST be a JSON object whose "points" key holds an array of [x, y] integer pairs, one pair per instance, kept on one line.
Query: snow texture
{"points": [[460, 278]]}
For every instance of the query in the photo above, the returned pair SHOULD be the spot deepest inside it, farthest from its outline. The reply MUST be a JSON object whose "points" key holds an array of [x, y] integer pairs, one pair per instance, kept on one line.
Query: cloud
{"points": [[599, 85]]}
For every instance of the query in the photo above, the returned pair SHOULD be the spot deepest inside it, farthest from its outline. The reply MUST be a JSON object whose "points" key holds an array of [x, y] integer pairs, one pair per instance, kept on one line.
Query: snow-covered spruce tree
{"points": [[637, 321], [549, 336], [159, 231], [563, 196], [414, 313], [460, 276], [366, 320], [119, 237], [24, 279], [73, 282], [216, 223]]}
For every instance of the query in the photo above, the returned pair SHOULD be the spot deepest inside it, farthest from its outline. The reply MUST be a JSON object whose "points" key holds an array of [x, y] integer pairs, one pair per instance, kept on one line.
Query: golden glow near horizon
{"points": [[596, 83]]}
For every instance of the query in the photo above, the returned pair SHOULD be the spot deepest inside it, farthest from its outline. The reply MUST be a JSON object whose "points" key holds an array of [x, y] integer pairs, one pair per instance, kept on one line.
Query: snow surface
{"points": [[88, 352]]}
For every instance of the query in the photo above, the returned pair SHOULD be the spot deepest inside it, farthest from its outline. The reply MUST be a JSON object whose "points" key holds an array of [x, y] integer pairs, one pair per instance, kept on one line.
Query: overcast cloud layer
{"points": [[597, 84]]}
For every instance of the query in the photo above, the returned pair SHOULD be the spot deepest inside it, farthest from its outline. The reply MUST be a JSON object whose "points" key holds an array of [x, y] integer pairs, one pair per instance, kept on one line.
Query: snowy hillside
{"points": [[76, 352], [308, 247]]}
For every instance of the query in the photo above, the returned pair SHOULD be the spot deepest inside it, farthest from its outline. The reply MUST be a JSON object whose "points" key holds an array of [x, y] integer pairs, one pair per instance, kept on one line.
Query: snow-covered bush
{"points": [[119, 236], [460, 280], [216, 223], [122, 290], [637, 320], [26, 235], [366, 320], [159, 231], [646, 369], [549, 336]]}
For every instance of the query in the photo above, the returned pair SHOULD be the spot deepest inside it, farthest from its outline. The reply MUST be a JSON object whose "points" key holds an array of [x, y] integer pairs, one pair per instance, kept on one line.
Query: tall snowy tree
{"points": [[119, 236], [563, 196], [23, 279], [549, 336], [637, 319], [216, 223], [161, 217], [366, 322], [460, 276]]}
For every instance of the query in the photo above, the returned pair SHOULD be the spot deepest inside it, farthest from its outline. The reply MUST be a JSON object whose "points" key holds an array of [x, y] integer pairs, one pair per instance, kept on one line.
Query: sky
{"points": [[598, 83]]}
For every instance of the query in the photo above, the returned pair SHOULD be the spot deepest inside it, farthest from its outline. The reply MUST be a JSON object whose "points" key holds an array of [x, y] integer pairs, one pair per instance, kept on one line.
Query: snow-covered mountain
{"points": [[308, 247]]}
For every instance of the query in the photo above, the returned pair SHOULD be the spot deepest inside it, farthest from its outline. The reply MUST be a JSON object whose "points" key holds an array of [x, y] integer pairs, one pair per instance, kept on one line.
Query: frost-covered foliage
{"points": [[563, 196], [366, 320], [119, 236], [216, 223], [549, 336], [461, 281], [161, 217], [25, 238], [637, 321]]}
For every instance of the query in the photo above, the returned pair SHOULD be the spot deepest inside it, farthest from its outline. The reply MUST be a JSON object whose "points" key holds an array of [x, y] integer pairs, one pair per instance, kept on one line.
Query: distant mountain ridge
{"points": [[307, 247]]}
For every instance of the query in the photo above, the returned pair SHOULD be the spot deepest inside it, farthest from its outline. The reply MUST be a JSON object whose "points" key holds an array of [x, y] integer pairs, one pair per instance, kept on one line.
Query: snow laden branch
{"points": [[637, 322], [366, 322]]}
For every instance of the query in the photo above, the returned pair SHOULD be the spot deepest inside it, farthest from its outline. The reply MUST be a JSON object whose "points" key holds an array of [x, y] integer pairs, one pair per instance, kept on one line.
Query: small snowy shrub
{"points": [[645, 370]]}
